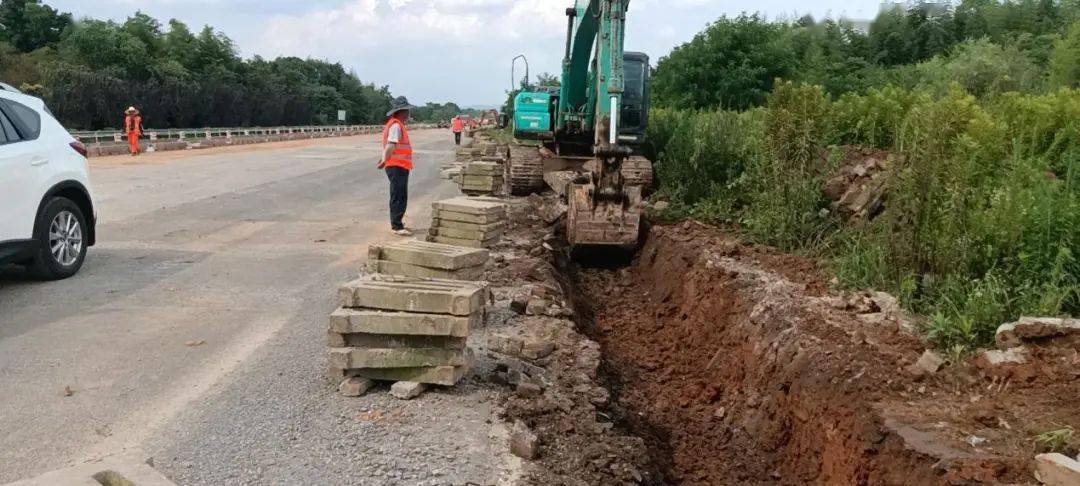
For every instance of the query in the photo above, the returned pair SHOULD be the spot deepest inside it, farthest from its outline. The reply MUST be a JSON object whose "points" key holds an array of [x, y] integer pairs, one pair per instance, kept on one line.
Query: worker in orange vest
{"points": [[457, 127], [133, 128], [397, 162]]}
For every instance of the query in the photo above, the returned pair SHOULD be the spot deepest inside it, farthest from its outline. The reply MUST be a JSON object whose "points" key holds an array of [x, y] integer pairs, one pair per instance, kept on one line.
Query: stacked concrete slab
{"points": [[403, 329], [481, 177], [468, 222], [422, 259]]}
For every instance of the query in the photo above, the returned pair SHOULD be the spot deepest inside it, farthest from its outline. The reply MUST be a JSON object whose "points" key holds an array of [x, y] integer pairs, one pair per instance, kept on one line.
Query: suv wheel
{"points": [[61, 239]]}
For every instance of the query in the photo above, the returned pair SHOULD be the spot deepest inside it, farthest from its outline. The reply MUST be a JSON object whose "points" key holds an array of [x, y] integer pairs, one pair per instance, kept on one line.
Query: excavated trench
{"points": [[735, 366]]}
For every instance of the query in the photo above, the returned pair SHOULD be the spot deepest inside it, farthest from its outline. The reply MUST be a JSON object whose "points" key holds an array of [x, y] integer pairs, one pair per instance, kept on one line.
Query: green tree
{"points": [[548, 79], [732, 64], [1065, 60], [28, 25]]}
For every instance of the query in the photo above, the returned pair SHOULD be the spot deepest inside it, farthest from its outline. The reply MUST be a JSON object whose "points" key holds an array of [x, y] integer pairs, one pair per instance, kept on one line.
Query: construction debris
{"points": [[1057, 470], [1029, 329], [468, 222], [422, 259], [405, 329]]}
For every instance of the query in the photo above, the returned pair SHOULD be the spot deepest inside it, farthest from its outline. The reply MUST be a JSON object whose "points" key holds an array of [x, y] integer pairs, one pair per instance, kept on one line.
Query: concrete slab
{"points": [[353, 358], [395, 293], [406, 270], [483, 168], [438, 216], [361, 340], [470, 205], [461, 225], [132, 468], [350, 321], [430, 255], [463, 242], [466, 234]]}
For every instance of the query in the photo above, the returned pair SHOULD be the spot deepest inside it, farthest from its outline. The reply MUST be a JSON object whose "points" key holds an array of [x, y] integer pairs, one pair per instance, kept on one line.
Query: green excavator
{"points": [[592, 128]]}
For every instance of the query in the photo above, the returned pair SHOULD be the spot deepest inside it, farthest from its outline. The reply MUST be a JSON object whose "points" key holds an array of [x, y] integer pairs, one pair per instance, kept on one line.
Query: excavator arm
{"points": [[592, 78]]}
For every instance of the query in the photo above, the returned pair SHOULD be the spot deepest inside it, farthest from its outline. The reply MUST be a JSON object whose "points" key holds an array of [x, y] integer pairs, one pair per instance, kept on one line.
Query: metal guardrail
{"points": [[195, 134]]}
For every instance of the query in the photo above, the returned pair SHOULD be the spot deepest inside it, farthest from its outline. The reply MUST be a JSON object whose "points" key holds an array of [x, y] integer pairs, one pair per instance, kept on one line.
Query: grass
{"points": [[1061, 440]]}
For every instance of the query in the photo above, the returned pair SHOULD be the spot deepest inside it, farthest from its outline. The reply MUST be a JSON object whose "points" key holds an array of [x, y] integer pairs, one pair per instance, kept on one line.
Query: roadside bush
{"points": [[785, 186], [873, 119], [981, 68], [982, 214]]}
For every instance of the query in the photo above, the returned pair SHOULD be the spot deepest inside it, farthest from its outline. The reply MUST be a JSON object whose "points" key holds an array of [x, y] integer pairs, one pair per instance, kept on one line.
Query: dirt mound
{"points": [[737, 367]]}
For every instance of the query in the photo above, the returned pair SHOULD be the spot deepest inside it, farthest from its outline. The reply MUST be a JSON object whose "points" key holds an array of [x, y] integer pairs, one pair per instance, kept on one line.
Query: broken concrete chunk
{"points": [[536, 306], [355, 386], [1057, 470], [502, 344], [1035, 329], [886, 302], [529, 390], [928, 364], [523, 442], [1011, 356], [407, 390], [537, 348]]}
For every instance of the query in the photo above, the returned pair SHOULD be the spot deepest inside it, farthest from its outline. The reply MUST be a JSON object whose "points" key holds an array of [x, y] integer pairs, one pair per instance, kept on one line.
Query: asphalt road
{"points": [[196, 330]]}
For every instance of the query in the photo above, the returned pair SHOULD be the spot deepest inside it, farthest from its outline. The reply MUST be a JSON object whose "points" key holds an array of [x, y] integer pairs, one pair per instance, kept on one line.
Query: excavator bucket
{"points": [[595, 222]]}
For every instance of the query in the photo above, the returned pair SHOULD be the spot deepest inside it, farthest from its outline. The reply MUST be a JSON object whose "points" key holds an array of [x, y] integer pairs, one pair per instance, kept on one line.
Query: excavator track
{"points": [[524, 170]]}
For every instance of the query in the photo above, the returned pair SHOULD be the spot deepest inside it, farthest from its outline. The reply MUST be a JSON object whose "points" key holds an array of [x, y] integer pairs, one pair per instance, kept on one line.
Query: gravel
{"points": [[278, 420]]}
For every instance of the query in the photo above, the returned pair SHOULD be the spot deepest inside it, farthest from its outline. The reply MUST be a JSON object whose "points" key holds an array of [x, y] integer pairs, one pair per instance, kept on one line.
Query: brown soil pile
{"points": [[737, 367]]}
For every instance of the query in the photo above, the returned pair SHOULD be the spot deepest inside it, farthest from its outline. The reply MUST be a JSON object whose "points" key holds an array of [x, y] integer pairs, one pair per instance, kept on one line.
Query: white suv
{"points": [[47, 217]]}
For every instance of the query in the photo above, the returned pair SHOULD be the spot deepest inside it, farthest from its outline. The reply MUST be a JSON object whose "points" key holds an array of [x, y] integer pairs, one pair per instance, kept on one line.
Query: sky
{"points": [[443, 50]]}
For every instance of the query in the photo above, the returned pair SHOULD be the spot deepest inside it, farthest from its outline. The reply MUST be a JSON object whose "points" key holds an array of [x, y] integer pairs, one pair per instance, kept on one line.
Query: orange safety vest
{"points": [[457, 124], [402, 155], [133, 124]]}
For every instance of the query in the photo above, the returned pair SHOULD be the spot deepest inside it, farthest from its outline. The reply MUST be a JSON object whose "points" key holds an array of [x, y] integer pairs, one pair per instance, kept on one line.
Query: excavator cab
{"points": [[635, 102]]}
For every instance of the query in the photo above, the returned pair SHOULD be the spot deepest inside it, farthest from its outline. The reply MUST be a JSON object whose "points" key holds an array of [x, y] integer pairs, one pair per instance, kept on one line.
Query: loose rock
{"points": [[355, 386], [1057, 470], [928, 364], [1035, 328], [523, 442], [407, 390], [537, 349]]}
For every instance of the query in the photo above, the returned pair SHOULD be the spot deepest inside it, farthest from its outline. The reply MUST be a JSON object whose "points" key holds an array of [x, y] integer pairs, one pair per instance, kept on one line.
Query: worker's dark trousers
{"points": [[457, 138], [399, 195]]}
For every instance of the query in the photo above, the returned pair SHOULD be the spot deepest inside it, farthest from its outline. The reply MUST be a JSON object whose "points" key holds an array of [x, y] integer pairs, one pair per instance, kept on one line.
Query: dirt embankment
{"points": [[709, 361], [736, 366]]}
